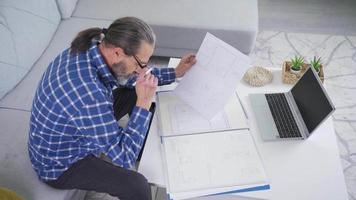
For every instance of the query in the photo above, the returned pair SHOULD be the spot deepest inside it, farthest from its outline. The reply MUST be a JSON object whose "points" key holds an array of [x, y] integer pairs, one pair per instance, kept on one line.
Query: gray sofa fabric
{"points": [[21, 41], [181, 25], [189, 40], [21, 97], [15, 168]]}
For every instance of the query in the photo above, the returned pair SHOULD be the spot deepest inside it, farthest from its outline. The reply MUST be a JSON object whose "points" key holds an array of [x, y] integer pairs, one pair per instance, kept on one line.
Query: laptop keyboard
{"points": [[282, 115]]}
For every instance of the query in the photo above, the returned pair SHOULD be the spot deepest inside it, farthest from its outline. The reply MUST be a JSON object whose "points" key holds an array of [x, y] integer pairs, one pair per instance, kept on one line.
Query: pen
{"points": [[147, 72], [243, 109]]}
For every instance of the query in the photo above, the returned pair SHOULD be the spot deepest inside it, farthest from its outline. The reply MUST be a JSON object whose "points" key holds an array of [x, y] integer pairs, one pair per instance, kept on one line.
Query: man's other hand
{"points": [[185, 64], [146, 86]]}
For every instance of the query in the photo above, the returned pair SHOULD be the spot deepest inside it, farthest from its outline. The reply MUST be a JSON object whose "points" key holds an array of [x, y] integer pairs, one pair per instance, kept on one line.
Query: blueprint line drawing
{"points": [[214, 77], [176, 117], [220, 159]]}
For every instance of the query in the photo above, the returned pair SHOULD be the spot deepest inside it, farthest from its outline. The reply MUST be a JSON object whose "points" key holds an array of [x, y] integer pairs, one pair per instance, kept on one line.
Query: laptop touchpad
{"points": [[264, 117]]}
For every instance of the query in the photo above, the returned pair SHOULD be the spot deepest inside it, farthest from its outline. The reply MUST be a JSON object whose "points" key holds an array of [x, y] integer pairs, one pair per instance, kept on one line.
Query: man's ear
{"points": [[119, 52]]}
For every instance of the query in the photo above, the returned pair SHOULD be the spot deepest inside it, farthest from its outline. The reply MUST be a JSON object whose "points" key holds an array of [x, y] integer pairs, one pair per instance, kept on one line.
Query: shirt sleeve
{"points": [[165, 76], [97, 125]]}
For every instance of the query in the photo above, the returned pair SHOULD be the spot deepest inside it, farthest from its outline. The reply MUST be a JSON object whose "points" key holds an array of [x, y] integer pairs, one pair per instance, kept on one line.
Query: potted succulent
{"points": [[296, 64], [316, 63]]}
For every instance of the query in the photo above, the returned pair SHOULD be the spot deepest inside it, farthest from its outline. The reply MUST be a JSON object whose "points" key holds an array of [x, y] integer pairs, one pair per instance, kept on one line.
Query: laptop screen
{"points": [[312, 102]]}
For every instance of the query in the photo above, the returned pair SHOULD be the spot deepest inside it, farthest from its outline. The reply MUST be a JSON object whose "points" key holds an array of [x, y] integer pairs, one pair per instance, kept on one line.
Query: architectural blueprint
{"points": [[208, 85]]}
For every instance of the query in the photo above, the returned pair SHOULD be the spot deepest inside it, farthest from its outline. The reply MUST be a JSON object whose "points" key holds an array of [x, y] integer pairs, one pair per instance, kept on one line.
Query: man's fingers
{"points": [[148, 78], [189, 59], [153, 80], [141, 75], [192, 59]]}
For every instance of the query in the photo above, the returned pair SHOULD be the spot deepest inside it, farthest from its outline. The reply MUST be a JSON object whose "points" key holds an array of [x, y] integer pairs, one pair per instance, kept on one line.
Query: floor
{"points": [[313, 27], [308, 16]]}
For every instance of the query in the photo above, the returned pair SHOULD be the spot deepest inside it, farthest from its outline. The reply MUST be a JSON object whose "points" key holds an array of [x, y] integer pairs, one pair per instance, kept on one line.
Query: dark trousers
{"points": [[95, 174]]}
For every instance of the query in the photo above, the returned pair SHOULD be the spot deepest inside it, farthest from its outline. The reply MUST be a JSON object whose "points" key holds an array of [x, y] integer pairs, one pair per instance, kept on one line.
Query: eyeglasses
{"points": [[138, 62]]}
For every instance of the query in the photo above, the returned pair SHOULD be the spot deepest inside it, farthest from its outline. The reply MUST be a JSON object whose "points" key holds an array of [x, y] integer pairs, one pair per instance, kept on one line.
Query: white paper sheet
{"points": [[187, 120], [220, 160], [208, 85], [178, 118]]}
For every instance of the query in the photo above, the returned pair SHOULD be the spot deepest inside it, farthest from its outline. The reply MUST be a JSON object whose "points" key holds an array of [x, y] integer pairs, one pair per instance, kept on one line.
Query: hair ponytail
{"points": [[127, 33], [84, 38]]}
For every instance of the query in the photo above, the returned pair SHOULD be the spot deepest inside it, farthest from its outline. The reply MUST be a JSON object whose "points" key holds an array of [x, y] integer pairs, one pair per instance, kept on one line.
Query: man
{"points": [[81, 95]]}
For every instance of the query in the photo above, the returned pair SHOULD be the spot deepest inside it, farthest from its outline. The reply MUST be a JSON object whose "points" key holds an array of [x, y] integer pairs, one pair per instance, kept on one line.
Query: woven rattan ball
{"points": [[258, 76]]}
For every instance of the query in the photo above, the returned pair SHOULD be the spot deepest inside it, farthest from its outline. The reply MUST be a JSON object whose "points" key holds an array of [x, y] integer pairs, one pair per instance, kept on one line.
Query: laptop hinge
{"points": [[297, 116]]}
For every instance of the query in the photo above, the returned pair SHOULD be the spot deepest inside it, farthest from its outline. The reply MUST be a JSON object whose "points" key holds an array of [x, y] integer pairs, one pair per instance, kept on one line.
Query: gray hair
{"points": [[127, 33]]}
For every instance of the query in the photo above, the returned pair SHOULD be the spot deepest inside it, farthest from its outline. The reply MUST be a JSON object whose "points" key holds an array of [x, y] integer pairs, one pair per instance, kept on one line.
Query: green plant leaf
{"points": [[297, 62]]}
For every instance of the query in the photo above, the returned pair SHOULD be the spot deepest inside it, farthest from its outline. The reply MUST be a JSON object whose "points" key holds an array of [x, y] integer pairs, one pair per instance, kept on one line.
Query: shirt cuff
{"points": [[141, 116], [166, 75], [171, 73]]}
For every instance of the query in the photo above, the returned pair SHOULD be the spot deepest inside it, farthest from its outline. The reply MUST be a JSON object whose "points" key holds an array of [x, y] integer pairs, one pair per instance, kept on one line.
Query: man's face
{"points": [[130, 66], [121, 71]]}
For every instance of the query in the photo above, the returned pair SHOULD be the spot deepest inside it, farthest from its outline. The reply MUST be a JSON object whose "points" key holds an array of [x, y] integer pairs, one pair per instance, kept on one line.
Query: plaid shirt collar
{"points": [[103, 69]]}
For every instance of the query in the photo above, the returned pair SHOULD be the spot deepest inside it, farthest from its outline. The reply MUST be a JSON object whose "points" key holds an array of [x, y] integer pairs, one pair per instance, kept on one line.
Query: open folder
{"points": [[178, 118], [205, 157]]}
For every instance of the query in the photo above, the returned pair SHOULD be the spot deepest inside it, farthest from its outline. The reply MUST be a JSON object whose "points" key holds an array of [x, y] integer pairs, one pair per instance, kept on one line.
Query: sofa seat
{"points": [[181, 25], [15, 168]]}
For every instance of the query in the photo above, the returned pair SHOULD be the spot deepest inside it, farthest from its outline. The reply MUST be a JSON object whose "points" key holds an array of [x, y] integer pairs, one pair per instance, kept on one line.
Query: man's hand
{"points": [[185, 64], [146, 86]]}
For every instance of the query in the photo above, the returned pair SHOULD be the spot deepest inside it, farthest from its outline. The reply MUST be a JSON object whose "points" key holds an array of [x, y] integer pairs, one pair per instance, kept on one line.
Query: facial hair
{"points": [[120, 71]]}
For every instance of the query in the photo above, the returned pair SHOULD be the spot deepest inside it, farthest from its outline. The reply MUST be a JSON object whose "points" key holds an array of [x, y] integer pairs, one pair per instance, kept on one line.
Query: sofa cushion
{"points": [[66, 7], [176, 41], [182, 13], [181, 25], [16, 172], [26, 28], [21, 97]]}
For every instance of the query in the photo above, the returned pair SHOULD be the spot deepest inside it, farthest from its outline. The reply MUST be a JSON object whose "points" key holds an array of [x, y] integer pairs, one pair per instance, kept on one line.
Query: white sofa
{"points": [[33, 32]]}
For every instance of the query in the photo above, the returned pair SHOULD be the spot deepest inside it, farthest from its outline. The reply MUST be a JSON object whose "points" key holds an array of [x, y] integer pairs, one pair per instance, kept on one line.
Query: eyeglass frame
{"points": [[138, 62]]}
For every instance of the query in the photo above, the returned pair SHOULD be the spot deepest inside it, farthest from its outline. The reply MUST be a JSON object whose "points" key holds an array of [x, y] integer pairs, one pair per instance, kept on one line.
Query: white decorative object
{"points": [[258, 76], [296, 72]]}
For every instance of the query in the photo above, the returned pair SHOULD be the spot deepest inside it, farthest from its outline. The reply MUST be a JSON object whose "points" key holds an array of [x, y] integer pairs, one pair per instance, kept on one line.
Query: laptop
{"points": [[294, 114]]}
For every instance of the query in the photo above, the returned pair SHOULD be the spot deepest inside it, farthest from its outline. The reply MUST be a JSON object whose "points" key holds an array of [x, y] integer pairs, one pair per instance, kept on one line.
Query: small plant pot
{"points": [[317, 71], [289, 77], [296, 72]]}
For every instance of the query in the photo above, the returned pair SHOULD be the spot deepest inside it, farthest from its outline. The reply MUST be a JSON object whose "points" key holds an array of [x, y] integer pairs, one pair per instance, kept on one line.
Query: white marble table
{"points": [[308, 169]]}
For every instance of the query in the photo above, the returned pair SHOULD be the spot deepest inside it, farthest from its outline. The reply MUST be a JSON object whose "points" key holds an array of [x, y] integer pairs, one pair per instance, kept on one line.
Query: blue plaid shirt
{"points": [[72, 115]]}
